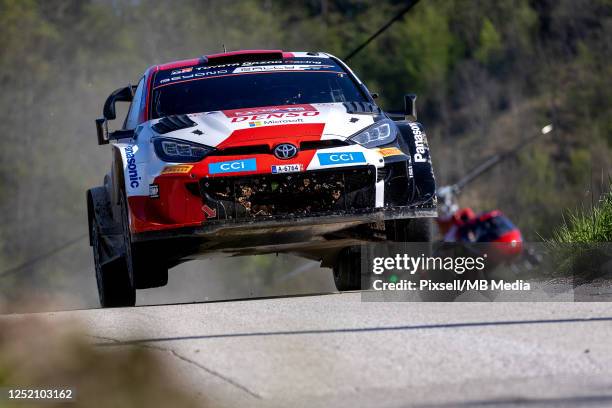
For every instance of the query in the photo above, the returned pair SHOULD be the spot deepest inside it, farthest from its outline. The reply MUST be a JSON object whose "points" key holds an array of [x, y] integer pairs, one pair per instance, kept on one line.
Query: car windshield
{"points": [[235, 86]]}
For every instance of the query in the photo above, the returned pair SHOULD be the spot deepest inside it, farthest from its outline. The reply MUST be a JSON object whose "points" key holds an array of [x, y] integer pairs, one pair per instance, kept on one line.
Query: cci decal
{"points": [[177, 169], [327, 159], [234, 166], [131, 167]]}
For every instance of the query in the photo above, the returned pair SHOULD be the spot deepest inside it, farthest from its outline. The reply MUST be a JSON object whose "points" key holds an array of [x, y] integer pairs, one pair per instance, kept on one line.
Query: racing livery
{"points": [[253, 152]]}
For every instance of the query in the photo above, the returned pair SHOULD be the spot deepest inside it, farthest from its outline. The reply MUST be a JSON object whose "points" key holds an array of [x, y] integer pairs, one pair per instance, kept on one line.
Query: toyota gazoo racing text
{"points": [[253, 152]]}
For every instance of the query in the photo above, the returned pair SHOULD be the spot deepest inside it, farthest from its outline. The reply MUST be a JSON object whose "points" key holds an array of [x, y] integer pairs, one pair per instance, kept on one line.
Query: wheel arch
{"points": [[413, 134], [117, 177]]}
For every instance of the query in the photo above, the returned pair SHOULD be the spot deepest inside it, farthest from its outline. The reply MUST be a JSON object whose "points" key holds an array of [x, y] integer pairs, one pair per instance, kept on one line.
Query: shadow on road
{"points": [[586, 400], [363, 329]]}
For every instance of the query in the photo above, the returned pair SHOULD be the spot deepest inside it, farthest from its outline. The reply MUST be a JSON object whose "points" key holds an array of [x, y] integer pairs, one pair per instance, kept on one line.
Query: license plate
{"points": [[287, 168]]}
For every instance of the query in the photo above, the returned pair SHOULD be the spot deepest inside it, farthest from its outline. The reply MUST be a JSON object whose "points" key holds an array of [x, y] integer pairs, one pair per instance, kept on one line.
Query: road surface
{"points": [[334, 350]]}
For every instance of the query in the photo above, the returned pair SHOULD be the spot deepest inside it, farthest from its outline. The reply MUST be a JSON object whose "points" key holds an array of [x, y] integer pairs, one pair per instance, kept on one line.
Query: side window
{"points": [[131, 121]]}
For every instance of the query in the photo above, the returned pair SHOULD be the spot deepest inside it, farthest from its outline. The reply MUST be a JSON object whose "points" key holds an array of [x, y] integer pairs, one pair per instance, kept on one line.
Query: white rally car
{"points": [[253, 152]]}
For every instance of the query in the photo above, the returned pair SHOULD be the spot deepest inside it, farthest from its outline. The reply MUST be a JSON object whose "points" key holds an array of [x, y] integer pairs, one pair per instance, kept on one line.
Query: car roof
{"points": [[241, 55]]}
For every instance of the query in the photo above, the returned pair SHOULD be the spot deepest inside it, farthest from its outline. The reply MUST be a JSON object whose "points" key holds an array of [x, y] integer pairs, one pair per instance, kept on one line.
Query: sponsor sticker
{"points": [[181, 71], [269, 118], [266, 110], [328, 159], [234, 166], [177, 169], [153, 191], [287, 168], [132, 168], [275, 122], [420, 144], [390, 151], [209, 212], [296, 67], [190, 76], [171, 76]]}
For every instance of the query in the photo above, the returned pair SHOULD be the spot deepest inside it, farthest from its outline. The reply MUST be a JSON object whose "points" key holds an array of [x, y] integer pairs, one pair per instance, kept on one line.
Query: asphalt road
{"points": [[334, 350]]}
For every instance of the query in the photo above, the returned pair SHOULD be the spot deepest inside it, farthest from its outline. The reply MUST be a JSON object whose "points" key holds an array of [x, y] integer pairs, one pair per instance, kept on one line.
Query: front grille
{"points": [[312, 193]]}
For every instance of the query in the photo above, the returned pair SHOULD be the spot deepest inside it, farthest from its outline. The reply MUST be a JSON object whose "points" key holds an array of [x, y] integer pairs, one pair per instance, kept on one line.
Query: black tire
{"points": [[409, 230], [115, 288], [146, 265], [347, 269]]}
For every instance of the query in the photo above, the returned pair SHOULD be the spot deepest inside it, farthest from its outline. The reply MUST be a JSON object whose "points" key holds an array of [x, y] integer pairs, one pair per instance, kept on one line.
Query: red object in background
{"points": [[451, 223], [488, 227]]}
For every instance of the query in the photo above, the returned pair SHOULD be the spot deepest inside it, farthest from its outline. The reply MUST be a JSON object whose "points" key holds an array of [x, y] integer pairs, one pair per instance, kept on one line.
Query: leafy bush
{"points": [[588, 227], [582, 245]]}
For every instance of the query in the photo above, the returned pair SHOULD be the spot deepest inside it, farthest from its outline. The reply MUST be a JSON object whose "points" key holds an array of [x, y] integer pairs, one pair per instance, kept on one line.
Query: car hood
{"points": [[270, 125]]}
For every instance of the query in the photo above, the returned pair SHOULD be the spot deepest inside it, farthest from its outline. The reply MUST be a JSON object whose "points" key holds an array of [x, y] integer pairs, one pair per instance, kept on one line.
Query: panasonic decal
{"points": [[131, 167], [419, 141]]}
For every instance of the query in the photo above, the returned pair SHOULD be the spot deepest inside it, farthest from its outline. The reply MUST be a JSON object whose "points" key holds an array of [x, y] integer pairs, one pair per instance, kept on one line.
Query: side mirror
{"points": [[102, 130], [125, 94], [104, 136], [374, 95], [410, 112]]}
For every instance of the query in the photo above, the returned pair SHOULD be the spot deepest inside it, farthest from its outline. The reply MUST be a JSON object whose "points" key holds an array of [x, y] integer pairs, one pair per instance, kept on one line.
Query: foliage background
{"points": [[488, 73]]}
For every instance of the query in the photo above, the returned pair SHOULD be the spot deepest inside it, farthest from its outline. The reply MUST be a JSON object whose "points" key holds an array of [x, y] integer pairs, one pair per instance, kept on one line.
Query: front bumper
{"points": [[198, 202]]}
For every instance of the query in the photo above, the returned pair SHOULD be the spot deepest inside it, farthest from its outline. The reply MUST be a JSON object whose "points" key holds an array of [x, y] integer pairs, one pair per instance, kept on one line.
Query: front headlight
{"points": [[179, 151], [380, 133]]}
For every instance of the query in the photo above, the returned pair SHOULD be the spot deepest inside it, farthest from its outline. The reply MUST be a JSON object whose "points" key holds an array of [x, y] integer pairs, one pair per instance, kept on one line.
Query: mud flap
{"points": [[99, 212]]}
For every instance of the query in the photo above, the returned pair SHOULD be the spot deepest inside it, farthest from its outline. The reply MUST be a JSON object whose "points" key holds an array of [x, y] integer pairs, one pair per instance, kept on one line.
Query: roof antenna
{"points": [[224, 50]]}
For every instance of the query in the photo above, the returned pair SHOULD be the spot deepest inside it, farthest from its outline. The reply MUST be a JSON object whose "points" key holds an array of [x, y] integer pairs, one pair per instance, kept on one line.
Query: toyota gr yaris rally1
{"points": [[253, 152]]}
